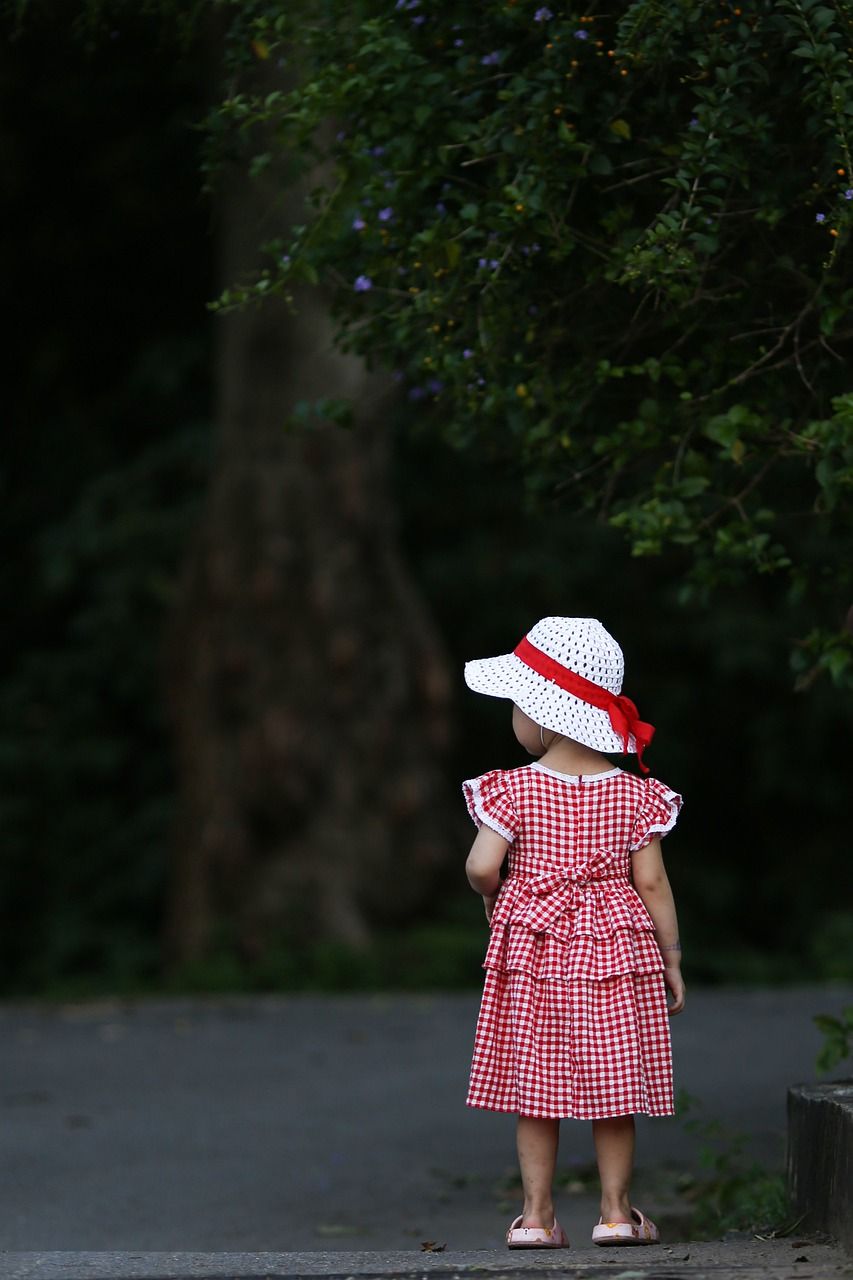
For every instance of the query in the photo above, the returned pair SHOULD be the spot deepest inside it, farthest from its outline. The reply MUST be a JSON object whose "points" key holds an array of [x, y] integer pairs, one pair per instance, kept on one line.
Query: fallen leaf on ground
{"points": [[430, 1246]]}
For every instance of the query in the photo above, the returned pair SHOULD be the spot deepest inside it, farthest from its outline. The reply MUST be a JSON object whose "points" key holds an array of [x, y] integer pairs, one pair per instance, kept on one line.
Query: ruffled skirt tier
{"points": [[573, 1021]]}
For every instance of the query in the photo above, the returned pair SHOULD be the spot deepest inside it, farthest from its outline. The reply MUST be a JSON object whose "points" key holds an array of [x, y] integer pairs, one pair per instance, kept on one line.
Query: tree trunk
{"points": [[309, 689]]}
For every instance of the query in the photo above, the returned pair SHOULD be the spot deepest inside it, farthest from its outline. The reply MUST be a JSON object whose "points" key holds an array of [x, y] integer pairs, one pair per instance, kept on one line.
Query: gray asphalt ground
{"points": [[285, 1125], [742, 1260]]}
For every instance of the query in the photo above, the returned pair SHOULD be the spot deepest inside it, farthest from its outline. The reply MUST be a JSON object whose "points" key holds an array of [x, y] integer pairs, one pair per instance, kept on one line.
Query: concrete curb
{"points": [[707, 1260], [820, 1156]]}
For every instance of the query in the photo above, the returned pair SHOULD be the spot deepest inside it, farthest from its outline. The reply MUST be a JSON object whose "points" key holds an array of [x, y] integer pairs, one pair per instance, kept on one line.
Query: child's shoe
{"points": [[519, 1237], [641, 1231]]}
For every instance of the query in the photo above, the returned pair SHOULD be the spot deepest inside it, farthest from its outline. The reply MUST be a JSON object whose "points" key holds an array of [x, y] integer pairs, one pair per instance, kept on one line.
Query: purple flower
{"points": [[416, 22], [362, 284], [581, 34], [416, 393], [543, 15], [467, 353], [385, 215], [340, 135], [435, 385], [377, 151], [693, 123], [285, 259], [358, 223], [820, 217], [441, 208], [848, 194], [491, 59], [457, 43]]}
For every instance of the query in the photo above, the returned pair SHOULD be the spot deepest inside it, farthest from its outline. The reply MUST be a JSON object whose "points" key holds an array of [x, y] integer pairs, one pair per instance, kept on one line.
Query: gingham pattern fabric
{"points": [[573, 1020]]}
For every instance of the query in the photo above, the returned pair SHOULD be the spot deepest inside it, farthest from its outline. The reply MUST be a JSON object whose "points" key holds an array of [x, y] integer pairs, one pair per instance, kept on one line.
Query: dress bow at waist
{"points": [[555, 893]]}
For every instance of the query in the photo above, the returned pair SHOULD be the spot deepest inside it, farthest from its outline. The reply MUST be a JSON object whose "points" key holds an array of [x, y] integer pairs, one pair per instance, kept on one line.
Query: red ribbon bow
{"points": [[624, 716]]}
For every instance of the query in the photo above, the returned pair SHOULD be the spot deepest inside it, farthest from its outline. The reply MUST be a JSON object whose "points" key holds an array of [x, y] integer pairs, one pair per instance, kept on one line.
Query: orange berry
{"points": [[832, 231], [841, 172]]}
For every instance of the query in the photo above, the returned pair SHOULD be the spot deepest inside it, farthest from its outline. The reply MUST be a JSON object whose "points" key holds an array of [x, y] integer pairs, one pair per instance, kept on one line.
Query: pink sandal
{"points": [[519, 1237], [641, 1231]]}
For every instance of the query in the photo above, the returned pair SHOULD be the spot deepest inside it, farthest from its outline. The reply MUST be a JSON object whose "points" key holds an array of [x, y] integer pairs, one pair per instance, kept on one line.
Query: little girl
{"points": [[584, 936]]}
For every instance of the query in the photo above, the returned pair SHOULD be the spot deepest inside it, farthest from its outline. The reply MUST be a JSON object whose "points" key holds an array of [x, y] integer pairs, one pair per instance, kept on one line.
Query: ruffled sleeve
{"points": [[656, 815], [490, 803]]}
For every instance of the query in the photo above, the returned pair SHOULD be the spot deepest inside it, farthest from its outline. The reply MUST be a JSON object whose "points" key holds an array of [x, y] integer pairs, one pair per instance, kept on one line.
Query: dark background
{"points": [[108, 261]]}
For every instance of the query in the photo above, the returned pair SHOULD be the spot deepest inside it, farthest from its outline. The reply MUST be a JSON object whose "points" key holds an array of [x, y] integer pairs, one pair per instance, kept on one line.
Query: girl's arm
{"points": [[652, 884], [483, 866]]}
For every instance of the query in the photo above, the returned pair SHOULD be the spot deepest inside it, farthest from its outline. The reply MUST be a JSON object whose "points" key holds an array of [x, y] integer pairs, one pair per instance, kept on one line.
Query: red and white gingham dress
{"points": [[573, 1020]]}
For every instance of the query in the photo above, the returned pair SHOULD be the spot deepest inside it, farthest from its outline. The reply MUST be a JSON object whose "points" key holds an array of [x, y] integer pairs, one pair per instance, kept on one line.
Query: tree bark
{"points": [[308, 686]]}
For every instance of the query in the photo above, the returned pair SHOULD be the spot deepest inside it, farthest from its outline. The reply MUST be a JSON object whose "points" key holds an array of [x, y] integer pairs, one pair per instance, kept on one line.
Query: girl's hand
{"points": [[489, 901], [675, 983]]}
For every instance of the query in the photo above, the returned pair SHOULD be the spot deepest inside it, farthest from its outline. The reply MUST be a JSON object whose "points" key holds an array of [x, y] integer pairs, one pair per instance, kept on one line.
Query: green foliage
{"points": [[101, 474], [85, 775], [443, 955], [736, 1193], [837, 1038], [610, 249]]}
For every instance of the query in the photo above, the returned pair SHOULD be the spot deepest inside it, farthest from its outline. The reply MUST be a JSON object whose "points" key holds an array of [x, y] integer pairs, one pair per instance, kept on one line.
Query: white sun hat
{"points": [[566, 674]]}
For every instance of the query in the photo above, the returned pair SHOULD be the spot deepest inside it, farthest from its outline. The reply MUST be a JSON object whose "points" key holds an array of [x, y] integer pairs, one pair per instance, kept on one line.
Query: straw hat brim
{"points": [[506, 676]]}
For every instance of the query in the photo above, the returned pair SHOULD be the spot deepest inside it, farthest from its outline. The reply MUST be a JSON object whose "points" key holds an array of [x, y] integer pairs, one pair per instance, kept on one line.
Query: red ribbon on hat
{"points": [[624, 716]]}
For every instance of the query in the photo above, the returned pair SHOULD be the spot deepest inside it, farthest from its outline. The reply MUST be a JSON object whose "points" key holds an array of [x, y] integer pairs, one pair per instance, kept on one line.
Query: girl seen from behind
{"points": [[584, 947]]}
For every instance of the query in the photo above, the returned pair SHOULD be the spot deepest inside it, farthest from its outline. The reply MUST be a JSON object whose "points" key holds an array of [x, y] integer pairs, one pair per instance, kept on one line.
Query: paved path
{"points": [[307, 1123], [773, 1260]]}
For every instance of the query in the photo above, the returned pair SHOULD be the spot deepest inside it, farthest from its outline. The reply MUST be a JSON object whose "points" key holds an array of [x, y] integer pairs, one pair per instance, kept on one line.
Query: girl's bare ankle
{"points": [[541, 1215], [616, 1210]]}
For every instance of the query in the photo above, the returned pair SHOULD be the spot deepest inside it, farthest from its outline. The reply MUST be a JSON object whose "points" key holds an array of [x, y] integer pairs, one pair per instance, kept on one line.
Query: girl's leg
{"points": [[614, 1149], [537, 1142]]}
